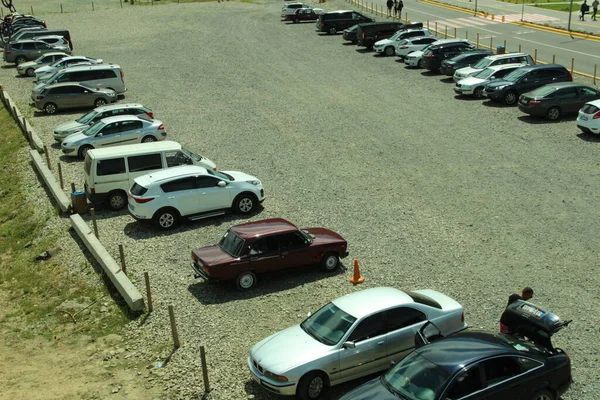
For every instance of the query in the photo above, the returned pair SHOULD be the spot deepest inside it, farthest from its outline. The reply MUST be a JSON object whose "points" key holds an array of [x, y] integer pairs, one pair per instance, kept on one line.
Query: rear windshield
{"points": [[138, 190], [543, 91], [520, 345], [483, 63], [422, 299], [590, 109]]}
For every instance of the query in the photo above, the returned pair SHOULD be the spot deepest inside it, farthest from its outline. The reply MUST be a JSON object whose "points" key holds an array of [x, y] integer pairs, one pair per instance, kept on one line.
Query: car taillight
{"points": [[65, 42], [6, 51], [404, 47], [596, 116], [161, 127], [122, 76], [150, 115], [363, 36], [462, 317], [44, 23], [38, 97], [322, 24], [206, 270], [571, 76], [142, 200], [534, 102], [92, 190]]}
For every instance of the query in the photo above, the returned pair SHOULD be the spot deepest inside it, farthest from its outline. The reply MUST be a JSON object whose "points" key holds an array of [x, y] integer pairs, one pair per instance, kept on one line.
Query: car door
{"points": [[586, 94], [296, 251], [78, 96], [510, 377], [402, 324], [566, 99], [264, 255], [109, 135], [530, 81], [131, 131], [212, 196], [30, 51], [467, 384], [182, 194], [59, 96], [366, 352]]}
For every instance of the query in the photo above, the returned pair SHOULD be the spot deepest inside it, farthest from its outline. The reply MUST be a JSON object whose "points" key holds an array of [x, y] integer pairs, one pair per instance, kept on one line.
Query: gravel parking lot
{"points": [[474, 200]]}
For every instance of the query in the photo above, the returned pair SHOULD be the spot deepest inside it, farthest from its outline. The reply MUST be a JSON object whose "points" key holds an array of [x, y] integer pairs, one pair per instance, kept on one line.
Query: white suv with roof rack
{"points": [[498, 59]]}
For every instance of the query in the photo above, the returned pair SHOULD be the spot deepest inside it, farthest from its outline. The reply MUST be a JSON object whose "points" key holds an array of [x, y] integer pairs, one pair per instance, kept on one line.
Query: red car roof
{"points": [[263, 227]]}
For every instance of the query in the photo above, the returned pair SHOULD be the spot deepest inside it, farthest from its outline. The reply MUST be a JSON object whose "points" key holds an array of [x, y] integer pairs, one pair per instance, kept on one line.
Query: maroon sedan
{"points": [[270, 245], [305, 14]]}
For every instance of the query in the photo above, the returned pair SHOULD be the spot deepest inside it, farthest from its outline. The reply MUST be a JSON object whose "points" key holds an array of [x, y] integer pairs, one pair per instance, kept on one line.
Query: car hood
{"points": [[46, 69], [287, 349], [322, 236], [37, 88], [75, 137], [240, 176], [372, 390], [384, 42], [497, 83], [213, 255], [72, 126], [467, 71], [471, 81], [26, 65]]}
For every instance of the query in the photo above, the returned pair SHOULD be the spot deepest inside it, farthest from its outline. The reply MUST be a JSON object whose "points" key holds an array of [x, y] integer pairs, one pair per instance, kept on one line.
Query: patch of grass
{"points": [[559, 7]]}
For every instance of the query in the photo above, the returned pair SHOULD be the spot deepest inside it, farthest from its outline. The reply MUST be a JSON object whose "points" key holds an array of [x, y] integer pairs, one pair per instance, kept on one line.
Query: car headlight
{"points": [[500, 87], [275, 377], [255, 182]]}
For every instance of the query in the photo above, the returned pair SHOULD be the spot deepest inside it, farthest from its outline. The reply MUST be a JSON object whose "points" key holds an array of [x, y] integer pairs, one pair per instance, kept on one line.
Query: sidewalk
{"points": [[555, 19]]}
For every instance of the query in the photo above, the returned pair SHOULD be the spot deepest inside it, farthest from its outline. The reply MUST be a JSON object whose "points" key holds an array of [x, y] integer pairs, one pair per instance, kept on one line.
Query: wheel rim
{"points": [[84, 151], [315, 387], [246, 281], [30, 72], [148, 139], [510, 98], [100, 102], [479, 92], [542, 397], [166, 220], [50, 108], [20, 60], [553, 113], [332, 31], [330, 262], [389, 51], [246, 204], [117, 202]]}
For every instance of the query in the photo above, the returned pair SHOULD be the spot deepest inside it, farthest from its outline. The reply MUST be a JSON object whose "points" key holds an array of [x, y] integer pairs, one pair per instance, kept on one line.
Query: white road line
{"points": [[559, 48]]}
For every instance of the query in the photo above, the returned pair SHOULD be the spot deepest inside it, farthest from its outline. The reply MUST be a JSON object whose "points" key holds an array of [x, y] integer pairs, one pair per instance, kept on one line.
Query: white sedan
{"points": [[43, 73], [588, 119], [407, 46], [353, 336]]}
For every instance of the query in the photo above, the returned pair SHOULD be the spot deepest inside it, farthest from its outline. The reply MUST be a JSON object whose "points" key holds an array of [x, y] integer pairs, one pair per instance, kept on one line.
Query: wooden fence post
{"points": [[148, 292], [176, 343], [477, 44], [122, 255], [93, 214], [535, 56], [60, 176], [61, 9], [204, 370], [47, 158], [595, 67], [572, 65]]}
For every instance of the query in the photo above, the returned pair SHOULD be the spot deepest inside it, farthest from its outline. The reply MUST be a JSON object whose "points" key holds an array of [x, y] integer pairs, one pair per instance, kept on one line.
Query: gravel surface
{"points": [[474, 200]]}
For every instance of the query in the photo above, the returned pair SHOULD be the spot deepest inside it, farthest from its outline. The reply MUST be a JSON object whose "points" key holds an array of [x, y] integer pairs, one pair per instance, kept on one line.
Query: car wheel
{"points": [[390, 51], [30, 72], [245, 280], [330, 262], [83, 151], [510, 98], [295, 20], [478, 92], [100, 102], [553, 113], [148, 139], [355, 41], [20, 60], [117, 200], [50, 108], [244, 204], [311, 386], [166, 218], [543, 395], [332, 31]]}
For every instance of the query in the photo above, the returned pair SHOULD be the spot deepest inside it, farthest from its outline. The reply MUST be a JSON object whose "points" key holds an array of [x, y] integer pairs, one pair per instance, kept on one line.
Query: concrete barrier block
{"points": [[61, 198], [35, 139], [132, 296]]}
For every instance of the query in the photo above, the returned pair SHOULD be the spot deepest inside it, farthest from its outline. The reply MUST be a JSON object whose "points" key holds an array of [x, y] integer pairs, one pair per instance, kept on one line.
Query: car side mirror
{"points": [[222, 184], [349, 345], [85, 91], [99, 135]]}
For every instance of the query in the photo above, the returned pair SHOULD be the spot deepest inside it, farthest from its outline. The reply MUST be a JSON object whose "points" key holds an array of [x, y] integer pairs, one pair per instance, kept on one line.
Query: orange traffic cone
{"points": [[357, 277]]}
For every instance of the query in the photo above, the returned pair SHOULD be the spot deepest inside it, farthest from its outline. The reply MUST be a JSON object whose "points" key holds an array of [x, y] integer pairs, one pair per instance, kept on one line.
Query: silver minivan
{"points": [[98, 76]]}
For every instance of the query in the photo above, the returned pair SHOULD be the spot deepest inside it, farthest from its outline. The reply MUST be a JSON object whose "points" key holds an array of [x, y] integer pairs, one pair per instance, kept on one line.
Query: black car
{"points": [[434, 55], [449, 67], [336, 21], [557, 99], [368, 33], [350, 34], [480, 365], [525, 79]]}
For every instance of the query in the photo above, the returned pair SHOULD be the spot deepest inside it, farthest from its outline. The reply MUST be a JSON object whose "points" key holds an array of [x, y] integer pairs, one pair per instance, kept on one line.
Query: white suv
{"points": [[192, 192], [290, 9]]}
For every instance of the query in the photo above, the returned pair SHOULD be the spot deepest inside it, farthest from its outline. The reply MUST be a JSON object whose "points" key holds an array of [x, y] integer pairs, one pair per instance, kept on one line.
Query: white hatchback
{"points": [[388, 46], [407, 46], [588, 119], [192, 192]]}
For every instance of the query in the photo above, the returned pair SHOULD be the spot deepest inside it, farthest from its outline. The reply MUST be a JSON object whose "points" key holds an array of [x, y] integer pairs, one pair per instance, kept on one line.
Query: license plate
{"points": [[583, 118]]}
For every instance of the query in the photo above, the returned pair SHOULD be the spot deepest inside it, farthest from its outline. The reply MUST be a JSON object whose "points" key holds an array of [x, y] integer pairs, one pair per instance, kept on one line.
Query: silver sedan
{"points": [[353, 336]]}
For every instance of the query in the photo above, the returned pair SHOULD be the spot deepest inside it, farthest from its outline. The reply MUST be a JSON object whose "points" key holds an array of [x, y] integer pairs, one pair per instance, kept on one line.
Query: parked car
{"points": [[407, 46], [371, 32], [353, 336], [507, 58], [305, 14], [415, 59], [25, 21], [475, 85], [6, 38], [97, 114], [290, 8], [557, 99], [98, 76], [192, 192], [60, 96], [26, 50], [55, 40], [42, 74], [31, 34], [388, 46], [436, 53], [349, 34], [114, 131], [524, 80], [588, 119], [334, 21], [28, 68], [267, 246], [463, 60]]}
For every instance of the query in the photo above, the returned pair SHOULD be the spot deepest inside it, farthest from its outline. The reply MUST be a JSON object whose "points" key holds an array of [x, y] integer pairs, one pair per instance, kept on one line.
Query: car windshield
{"points": [[221, 175], [88, 87], [87, 118], [328, 325], [40, 59], [92, 130], [543, 91], [516, 75], [231, 243], [191, 154], [396, 35], [483, 63], [518, 344], [416, 378], [486, 73]]}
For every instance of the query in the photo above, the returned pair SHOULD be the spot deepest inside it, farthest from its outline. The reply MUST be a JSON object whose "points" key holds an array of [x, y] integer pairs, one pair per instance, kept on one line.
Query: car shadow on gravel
{"points": [[542, 120], [429, 73], [348, 44], [447, 79], [220, 293], [363, 50], [466, 98], [76, 112], [495, 104], [588, 137]]}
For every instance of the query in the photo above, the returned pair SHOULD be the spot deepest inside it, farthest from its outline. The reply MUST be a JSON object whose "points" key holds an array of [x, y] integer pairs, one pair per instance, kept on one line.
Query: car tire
{"points": [[543, 394], [390, 51], [30, 72], [166, 218], [330, 262], [295, 20], [20, 60], [332, 31], [311, 386], [83, 151], [100, 102], [244, 203], [148, 139], [355, 41], [245, 281], [50, 108], [553, 113], [478, 92], [510, 98], [117, 200]]}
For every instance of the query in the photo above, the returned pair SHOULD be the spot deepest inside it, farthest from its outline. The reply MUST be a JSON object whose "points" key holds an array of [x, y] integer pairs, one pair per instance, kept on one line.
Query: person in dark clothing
{"points": [[400, 7], [390, 4], [395, 8], [594, 9], [583, 9], [526, 294]]}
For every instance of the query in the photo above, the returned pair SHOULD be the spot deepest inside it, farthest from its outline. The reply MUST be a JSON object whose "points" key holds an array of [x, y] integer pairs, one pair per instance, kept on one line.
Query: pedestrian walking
{"points": [[595, 9], [401, 6], [583, 9], [395, 8], [390, 4]]}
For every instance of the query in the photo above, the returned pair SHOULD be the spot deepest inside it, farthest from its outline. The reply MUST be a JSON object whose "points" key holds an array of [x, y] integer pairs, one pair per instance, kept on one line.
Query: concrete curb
{"points": [[59, 195], [132, 296]]}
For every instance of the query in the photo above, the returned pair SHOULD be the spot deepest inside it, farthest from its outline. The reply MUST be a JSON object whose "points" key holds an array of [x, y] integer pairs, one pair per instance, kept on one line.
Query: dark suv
{"points": [[434, 55], [449, 67], [336, 21], [524, 80], [369, 33]]}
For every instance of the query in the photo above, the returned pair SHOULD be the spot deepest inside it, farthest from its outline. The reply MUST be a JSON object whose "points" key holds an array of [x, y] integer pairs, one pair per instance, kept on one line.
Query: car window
{"points": [[46, 59], [567, 93], [175, 158], [584, 91], [146, 162], [206, 182], [76, 89], [291, 241], [110, 129], [465, 383], [179, 185], [60, 90], [131, 125], [401, 317], [107, 74], [368, 328], [264, 246], [499, 369], [111, 166], [28, 46]]}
